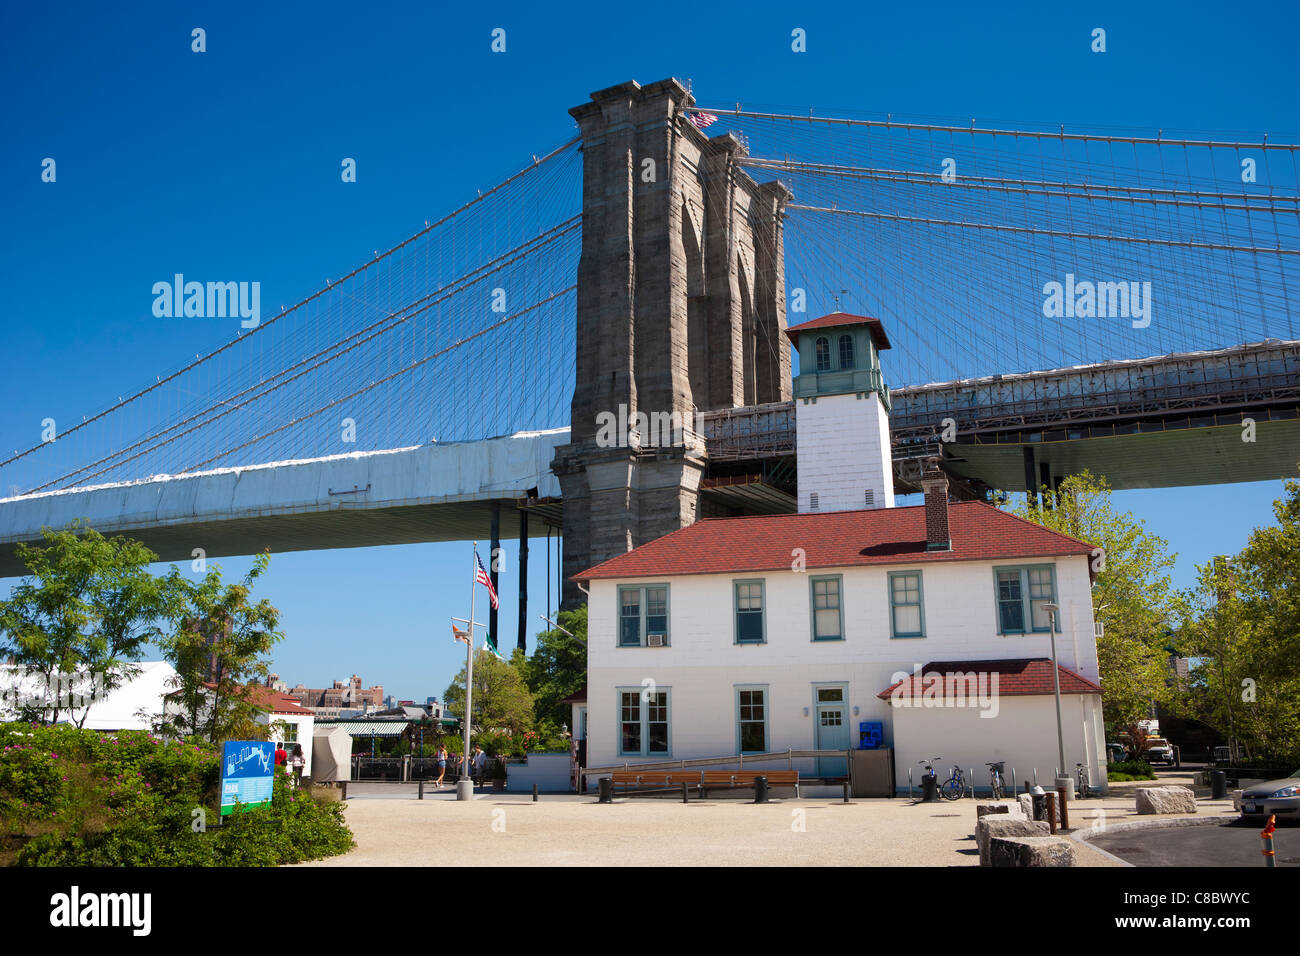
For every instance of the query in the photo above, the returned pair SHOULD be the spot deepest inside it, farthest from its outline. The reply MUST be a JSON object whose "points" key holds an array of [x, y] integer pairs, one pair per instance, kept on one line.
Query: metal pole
{"points": [[493, 560], [523, 581], [1056, 680], [464, 785]]}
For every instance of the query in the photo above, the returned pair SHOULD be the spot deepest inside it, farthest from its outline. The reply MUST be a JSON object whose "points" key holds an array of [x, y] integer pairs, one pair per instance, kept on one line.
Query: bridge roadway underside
{"points": [[403, 496], [1150, 459]]}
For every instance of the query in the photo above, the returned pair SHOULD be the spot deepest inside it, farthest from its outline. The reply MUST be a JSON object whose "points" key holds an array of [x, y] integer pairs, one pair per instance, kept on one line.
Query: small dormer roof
{"points": [[837, 320]]}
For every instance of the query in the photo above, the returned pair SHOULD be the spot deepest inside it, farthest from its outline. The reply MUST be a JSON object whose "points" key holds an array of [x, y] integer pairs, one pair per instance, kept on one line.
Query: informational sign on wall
{"points": [[247, 772]]}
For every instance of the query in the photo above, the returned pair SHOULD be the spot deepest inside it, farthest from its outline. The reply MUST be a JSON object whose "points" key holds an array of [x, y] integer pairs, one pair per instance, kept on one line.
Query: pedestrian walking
{"points": [[442, 765], [297, 761], [480, 765]]}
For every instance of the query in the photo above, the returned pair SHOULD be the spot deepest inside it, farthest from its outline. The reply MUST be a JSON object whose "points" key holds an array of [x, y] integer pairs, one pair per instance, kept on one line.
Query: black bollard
{"points": [[846, 791], [929, 788], [760, 790], [606, 790], [1218, 785], [421, 789], [685, 799], [534, 793]]}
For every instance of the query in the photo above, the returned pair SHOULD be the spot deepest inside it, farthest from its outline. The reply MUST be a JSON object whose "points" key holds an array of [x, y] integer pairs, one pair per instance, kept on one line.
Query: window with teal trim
{"points": [[749, 612], [827, 623], [823, 349], [846, 351], [630, 735], [643, 614], [1022, 596], [1011, 605], [642, 722], [907, 618], [752, 719]]}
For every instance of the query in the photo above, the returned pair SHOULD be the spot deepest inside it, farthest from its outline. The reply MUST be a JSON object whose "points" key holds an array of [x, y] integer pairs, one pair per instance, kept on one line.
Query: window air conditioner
{"points": [[654, 640]]}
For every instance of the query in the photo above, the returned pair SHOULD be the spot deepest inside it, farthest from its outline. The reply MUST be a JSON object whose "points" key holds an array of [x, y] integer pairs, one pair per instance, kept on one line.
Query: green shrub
{"points": [[135, 800], [30, 784], [1130, 770]]}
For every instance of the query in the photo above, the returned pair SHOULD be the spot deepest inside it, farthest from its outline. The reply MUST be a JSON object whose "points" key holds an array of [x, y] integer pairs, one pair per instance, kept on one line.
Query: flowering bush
{"points": [[29, 782], [136, 800]]}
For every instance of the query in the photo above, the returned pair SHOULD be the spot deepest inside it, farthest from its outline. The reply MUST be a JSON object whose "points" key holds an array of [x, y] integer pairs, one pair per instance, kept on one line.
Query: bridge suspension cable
{"points": [[420, 323], [954, 235]]}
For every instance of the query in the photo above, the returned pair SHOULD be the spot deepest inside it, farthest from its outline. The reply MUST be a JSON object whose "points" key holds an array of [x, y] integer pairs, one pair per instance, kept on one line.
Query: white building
{"points": [[767, 633], [288, 721], [137, 704]]}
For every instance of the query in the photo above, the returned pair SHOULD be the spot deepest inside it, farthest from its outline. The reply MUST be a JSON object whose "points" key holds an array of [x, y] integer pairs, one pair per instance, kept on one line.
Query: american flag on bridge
{"points": [[702, 120], [481, 577]]}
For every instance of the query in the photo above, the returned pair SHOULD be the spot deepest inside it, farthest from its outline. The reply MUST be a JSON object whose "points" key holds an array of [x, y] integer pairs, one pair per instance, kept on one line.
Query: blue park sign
{"points": [[247, 772]]}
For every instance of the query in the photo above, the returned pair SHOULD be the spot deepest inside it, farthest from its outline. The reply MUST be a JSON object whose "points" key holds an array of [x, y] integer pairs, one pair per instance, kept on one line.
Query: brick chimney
{"points": [[935, 484]]}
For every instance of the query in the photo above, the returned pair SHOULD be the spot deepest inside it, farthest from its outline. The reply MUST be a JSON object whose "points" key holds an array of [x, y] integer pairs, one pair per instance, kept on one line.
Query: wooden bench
{"points": [[728, 779], [654, 779]]}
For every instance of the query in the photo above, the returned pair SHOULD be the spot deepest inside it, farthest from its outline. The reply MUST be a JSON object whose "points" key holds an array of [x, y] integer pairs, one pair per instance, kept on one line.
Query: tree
{"points": [[558, 667], [84, 615], [218, 646], [1242, 626], [500, 702], [1132, 594]]}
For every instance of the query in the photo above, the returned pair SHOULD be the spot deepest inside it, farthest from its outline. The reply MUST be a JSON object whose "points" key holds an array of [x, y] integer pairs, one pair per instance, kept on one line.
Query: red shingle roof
{"points": [[579, 696], [836, 539], [1019, 677], [837, 319]]}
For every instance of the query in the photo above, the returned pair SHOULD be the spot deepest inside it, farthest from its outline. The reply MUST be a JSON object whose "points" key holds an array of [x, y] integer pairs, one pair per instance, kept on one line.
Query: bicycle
{"points": [[995, 779], [954, 788], [1081, 777]]}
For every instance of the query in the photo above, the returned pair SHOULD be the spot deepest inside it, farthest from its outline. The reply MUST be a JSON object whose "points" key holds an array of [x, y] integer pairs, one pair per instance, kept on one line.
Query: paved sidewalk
{"points": [[394, 829]]}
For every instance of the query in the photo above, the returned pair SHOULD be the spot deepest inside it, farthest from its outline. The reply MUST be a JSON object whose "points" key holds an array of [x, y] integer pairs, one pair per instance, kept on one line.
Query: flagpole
{"points": [[465, 785]]}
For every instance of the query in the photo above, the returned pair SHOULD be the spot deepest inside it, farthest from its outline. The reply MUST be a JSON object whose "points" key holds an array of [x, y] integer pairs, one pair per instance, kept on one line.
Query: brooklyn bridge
{"points": [[450, 387]]}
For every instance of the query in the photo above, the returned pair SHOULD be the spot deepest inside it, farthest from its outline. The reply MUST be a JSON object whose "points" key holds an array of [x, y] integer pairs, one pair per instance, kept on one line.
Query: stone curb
{"points": [[1082, 835]]}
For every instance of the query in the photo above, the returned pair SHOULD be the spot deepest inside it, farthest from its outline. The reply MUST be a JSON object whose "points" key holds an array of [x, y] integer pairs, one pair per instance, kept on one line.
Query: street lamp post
{"points": [[1052, 610]]}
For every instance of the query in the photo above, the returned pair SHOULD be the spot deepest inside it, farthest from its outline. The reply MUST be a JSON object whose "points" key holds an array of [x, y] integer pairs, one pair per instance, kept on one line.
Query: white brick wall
{"points": [[703, 665], [843, 450]]}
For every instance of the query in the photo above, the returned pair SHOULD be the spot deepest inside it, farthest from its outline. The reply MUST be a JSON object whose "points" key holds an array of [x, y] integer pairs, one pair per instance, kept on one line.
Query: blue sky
{"points": [[226, 163]]}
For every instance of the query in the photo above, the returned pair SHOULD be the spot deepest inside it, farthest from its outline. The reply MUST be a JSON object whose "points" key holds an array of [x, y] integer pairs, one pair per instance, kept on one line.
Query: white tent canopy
{"points": [[134, 705]]}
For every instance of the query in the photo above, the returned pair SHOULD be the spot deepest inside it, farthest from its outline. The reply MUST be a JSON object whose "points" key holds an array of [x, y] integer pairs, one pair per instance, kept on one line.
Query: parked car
{"points": [[1276, 796], [1158, 750], [1116, 752]]}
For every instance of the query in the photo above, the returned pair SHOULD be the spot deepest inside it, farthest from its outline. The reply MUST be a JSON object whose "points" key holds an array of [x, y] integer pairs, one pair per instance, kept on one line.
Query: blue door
{"points": [[831, 729]]}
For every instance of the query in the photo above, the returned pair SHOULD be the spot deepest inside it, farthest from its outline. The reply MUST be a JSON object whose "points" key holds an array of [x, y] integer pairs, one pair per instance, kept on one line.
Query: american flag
{"points": [[481, 577], [702, 120]]}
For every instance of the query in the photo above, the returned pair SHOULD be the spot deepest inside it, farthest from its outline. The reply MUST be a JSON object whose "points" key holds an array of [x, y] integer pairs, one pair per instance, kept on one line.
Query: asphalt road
{"points": [[1230, 844]]}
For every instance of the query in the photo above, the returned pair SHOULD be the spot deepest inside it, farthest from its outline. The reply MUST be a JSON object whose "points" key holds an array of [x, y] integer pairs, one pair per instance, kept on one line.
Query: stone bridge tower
{"points": [[681, 308]]}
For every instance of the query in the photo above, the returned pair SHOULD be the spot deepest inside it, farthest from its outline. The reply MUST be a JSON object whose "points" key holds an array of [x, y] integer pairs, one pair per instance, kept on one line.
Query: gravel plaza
{"points": [[393, 828]]}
